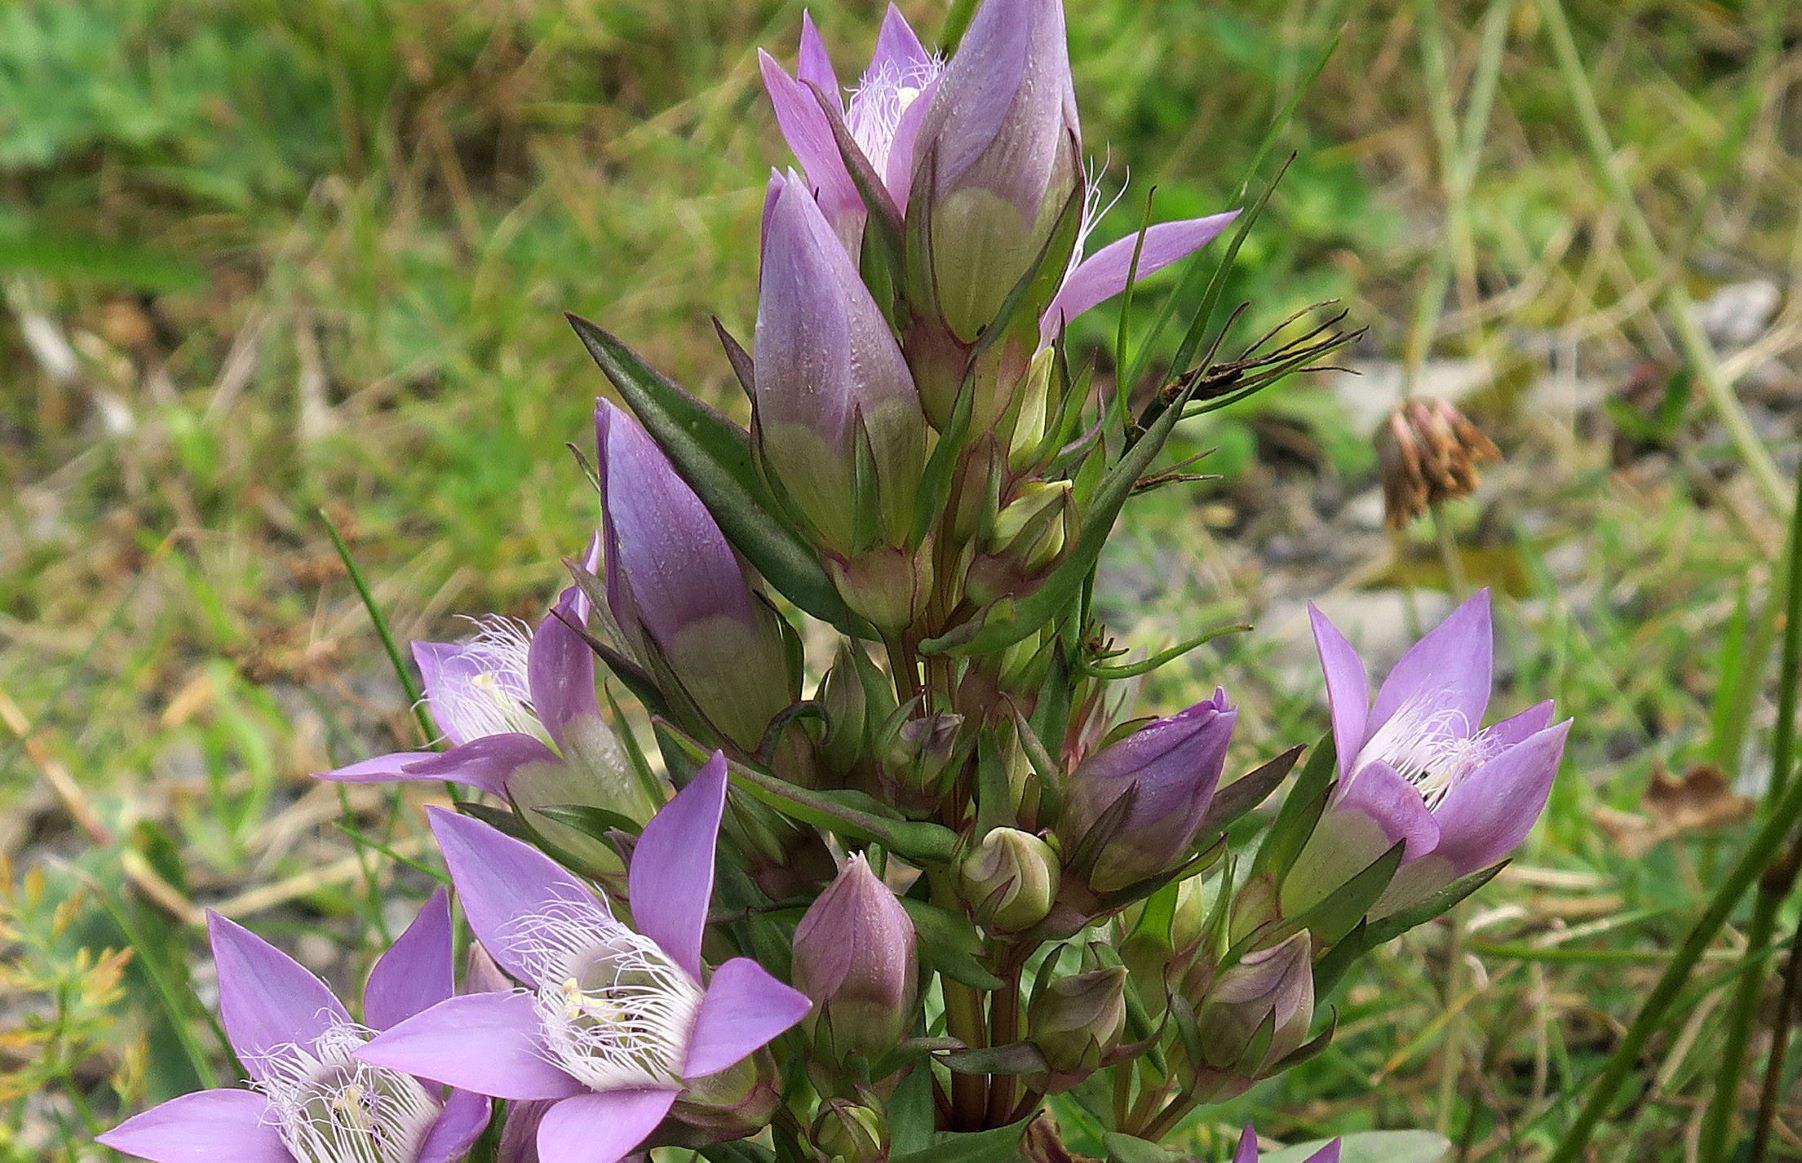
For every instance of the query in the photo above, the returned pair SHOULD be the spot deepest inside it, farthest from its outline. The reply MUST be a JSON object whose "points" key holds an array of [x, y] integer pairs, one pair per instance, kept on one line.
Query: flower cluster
{"points": [[896, 913]]}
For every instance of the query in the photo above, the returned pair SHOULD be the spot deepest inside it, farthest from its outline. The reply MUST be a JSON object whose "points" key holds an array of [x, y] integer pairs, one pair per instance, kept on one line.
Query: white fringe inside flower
{"points": [[1432, 746], [876, 106], [484, 688], [614, 1009], [329, 1107]]}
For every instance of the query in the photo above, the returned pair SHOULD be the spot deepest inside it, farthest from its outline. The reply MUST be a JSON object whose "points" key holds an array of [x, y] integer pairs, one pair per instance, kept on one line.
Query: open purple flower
{"points": [[614, 1023], [311, 1099], [883, 115], [506, 698], [1417, 767]]}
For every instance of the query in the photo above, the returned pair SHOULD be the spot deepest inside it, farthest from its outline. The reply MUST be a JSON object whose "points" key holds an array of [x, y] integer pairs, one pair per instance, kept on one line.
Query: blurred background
{"points": [[269, 268]]}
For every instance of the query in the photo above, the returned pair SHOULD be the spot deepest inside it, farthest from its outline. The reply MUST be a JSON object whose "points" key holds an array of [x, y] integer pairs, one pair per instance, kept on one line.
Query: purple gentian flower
{"points": [[505, 698], [1248, 1149], [1172, 767], [311, 1099], [613, 1022], [829, 378], [883, 115], [677, 593], [1417, 767]]}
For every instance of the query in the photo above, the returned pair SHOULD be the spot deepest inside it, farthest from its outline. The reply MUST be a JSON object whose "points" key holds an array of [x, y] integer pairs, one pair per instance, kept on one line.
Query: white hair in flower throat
{"points": [[614, 1009], [1434, 747], [329, 1107]]}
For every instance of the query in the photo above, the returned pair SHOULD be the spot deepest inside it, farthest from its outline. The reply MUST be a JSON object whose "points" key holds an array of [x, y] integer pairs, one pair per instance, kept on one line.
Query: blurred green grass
{"points": [[262, 259]]}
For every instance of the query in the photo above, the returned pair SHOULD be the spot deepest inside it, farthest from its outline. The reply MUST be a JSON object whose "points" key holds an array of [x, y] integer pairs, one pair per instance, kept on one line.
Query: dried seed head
{"points": [[1428, 452]]}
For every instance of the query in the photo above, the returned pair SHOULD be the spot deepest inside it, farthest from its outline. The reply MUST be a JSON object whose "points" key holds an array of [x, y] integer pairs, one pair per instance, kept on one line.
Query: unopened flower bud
{"points": [[1428, 453], [1025, 541], [1271, 987], [888, 586], [1077, 1021], [838, 422], [734, 1102], [845, 706], [925, 752], [855, 957], [848, 1132], [1170, 769], [1034, 416], [677, 592], [999, 155], [1010, 879]]}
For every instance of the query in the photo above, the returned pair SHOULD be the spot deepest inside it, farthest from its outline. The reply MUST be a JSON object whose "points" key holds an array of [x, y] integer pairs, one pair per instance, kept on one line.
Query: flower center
{"points": [[1432, 746], [484, 690], [876, 106], [614, 1009], [329, 1107]]}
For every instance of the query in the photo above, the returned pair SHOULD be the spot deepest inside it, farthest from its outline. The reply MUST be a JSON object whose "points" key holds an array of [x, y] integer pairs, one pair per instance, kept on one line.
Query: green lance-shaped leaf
{"points": [[950, 944], [996, 1145], [714, 457]]}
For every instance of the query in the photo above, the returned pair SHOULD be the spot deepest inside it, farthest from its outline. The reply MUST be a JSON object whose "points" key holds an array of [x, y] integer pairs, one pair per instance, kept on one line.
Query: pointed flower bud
{"points": [[1010, 879], [925, 752], [1077, 1021], [1268, 995], [838, 423], [848, 1132], [1025, 542], [855, 957], [999, 155], [1170, 769], [677, 592]]}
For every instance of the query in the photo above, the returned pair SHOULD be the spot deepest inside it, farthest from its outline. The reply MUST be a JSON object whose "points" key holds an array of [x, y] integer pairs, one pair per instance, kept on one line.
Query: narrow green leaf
{"points": [[714, 457]]}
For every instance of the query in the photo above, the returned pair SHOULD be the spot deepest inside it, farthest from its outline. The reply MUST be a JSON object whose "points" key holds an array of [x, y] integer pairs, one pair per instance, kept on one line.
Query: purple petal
{"points": [[809, 135], [1492, 809], [381, 769], [519, 1134], [744, 1008], [1394, 804], [1327, 1154], [481, 974], [1531, 721], [488, 1043], [500, 880], [1248, 1146], [1103, 274], [266, 998], [435, 661], [815, 64], [560, 668], [897, 46], [899, 177], [486, 763], [668, 563], [460, 1124], [601, 1128], [1347, 688], [416, 971], [671, 878], [1449, 669], [202, 1127]]}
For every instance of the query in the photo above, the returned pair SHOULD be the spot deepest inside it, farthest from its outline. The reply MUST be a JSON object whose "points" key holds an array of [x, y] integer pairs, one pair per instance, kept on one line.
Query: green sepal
{"points": [[1246, 792], [1302, 809], [714, 457], [1013, 1058]]}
